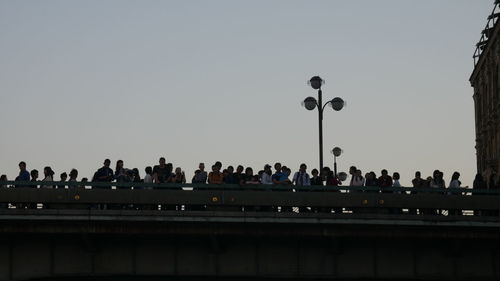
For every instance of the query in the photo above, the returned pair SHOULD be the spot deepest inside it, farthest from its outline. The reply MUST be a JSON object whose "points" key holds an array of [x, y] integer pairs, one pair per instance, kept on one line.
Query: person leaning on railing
{"points": [[332, 181], [248, 181], [418, 182], [371, 182], [385, 183], [200, 177], [478, 185], [302, 182], [267, 176], [238, 175], [62, 178], [438, 183], [178, 176], [494, 185], [396, 184], [454, 184], [3, 178], [104, 174], [228, 174], [48, 174], [73, 175], [24, 175], [280, 179], [215, 176]]}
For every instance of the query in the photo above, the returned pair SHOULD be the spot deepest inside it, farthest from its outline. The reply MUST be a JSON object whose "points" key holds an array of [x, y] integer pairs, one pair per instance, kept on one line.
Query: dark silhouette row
{"points": [[163, 173]]}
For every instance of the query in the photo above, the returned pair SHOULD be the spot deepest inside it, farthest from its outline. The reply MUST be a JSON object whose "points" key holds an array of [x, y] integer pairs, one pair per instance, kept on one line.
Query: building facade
{"points": [[485, 81]]}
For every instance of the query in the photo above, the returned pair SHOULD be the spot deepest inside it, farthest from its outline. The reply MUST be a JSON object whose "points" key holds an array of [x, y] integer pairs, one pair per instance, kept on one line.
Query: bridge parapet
{"points": [[86, 195]]}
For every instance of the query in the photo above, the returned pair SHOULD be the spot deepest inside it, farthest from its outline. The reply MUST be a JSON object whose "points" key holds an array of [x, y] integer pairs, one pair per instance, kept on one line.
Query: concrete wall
{"points": [[32, 256]]}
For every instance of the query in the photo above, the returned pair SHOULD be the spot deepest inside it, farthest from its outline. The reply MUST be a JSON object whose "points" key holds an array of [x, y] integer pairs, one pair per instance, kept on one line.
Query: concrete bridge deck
{"points": [[71, 241]]}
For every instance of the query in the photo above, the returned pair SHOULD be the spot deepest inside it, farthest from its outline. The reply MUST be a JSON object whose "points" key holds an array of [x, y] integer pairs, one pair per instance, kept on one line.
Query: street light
{"points": [[311, 103], [336, 151]]}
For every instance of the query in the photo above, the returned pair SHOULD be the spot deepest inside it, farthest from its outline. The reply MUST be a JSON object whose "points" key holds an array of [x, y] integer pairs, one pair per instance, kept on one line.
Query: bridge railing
{"points": [[270, 198], [262, 187]]}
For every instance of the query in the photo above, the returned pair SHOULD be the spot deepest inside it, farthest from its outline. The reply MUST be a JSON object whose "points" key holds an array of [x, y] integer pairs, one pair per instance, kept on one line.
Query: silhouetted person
{"points": [[34, 177], [148, 178], [238, 175], [418, 182], [201, 176], [492, 183], [478, 184], [494, 186], [384, 181], [267, 176], [301, 179], [84, 182], [2, 186], [454, 183], [24, 175], [104, 174], [73, 175], [370, 181], [437, 180], [352, 172], [331, 181], [121, 174], [179, 176], [357, 179], [438, 183], [3, 178], [48, 175], [62, 178], [316, 180], [161, 172], [229, 175], [215, 176]]}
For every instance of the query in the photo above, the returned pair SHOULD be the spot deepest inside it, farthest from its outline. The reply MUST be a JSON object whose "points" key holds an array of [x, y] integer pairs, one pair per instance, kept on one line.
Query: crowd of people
{"points": [[281, 177]]}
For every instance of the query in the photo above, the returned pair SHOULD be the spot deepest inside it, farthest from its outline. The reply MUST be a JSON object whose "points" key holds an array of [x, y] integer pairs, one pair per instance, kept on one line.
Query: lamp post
{"points": [[311, 103], [336, 151]]}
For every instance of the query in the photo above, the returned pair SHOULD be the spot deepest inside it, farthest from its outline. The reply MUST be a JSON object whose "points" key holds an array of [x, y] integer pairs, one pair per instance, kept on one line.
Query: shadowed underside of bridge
{"points": [[111, 245]]}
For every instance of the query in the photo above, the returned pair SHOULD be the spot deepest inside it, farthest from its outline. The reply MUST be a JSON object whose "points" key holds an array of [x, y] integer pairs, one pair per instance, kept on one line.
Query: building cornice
{"points": [[490, 46]]}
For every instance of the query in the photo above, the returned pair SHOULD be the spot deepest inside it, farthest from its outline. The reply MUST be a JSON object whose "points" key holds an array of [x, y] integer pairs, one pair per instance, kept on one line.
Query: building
{"points": [[485, 81]]}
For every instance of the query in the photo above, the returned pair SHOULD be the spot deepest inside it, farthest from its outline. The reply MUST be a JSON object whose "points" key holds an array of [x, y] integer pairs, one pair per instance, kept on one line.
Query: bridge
{"points": [[221, 232]]}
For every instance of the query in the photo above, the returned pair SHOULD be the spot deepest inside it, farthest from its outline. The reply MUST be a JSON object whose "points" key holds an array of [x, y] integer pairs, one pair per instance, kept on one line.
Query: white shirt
{"points": [[266, 179], [396, 183], [47, 178], [301, 179], [454, 184], [358, 181], [148, 179]]}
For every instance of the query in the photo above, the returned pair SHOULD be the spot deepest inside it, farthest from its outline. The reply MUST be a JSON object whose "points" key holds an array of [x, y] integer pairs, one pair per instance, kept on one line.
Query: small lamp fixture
{"points": [[342, 176], [337, 103], [309, 103], [316, 82], [336, 151]]}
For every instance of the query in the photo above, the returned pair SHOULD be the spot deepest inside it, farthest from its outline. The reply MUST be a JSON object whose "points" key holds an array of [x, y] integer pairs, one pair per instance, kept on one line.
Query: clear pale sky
{"points": [[201, 81]]}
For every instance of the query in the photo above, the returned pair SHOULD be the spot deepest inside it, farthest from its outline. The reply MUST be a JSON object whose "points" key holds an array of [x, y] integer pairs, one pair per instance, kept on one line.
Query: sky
{"points": [[204, 81]]}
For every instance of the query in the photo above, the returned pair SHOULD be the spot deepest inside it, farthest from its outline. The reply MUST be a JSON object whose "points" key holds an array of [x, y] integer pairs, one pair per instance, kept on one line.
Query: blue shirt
{"points": [[23, 176], [280, 176], [103, 172]]}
